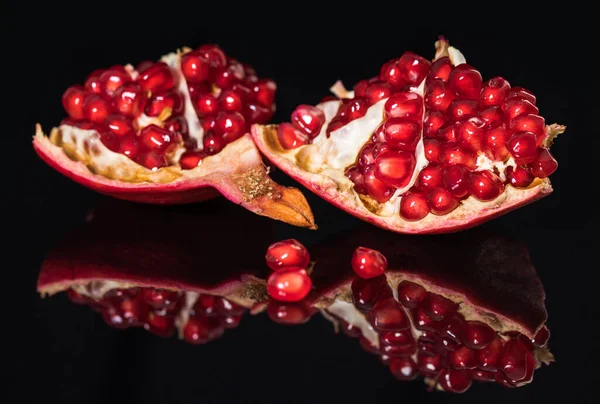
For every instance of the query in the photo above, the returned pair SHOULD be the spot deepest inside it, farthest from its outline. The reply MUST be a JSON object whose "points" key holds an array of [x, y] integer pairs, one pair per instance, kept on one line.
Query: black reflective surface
{"points": [[66, 353]]}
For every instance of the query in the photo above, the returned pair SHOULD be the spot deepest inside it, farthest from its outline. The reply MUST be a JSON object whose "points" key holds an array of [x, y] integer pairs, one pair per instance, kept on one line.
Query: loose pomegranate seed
{"points": [[157, 78], [308, 119], [264, 92], [92, 83], [529, 123], [492, 116], [405, 104], [290, 284], [404, 368], [456, 179], [432, 122], [130, 99], [256, 113], [462, 358], [366, 155], [429, 177], [377, 189], [440, 69], [72, 101], [366, 292], [494, 142], [202, 329], [441, 201], [119, 124], [368, 263], [429, 365], [287, 253], [289, 137], [388, 314], [542, 336], [438, 96], [455, 381], [402, 134], [494, 92], [206, 104], [477, 335], [513, 361], [129, 146], [212, 143], [514, 107], [520, 92], [152, 160], [522, 146], [489, 356], [356, 176], [112, 79], [462, 109], [230, 125], [192, 159], [438, 307], [289, 313], [485, 185], [422, 321], [230, 101], [96, 108], [161, 325], [395, 167], [156, 138], [465, 82], [432, 149], [519, 177], [411, 294], [377, 91], [195, 67], [452, 154], [168, 99], [413, 206], [544, 164], [469, 133]]}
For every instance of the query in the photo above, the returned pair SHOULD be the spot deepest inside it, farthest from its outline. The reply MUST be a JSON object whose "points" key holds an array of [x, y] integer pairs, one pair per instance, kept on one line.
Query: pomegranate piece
{"points": [[287, 253], [413, 206], [395, 168], [485, 185], [308, 119], [289, 137], [368, 263], [465, 82], [72, 101], [544, 163], [290, 284]]}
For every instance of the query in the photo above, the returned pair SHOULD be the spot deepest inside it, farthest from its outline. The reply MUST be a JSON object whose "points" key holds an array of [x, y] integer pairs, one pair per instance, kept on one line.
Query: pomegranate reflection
{"points": [[448, 310]]}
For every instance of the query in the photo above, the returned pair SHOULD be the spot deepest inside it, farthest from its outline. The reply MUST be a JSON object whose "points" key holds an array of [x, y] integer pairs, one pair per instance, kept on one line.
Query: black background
{"points": [[65, 352]]}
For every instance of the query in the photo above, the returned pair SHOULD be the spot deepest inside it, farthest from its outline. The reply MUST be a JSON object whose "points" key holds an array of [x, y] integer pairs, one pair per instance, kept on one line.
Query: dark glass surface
{"points": [[66, 353]]}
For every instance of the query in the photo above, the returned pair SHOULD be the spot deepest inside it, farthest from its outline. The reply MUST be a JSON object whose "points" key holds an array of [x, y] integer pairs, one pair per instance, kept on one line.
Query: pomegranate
{"points": [[172, 132], [365, 152]]}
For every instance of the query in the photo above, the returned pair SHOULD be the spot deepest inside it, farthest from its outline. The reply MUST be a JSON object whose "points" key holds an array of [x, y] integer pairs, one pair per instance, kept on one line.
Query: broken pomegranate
{"points": [[172, 132], [423, 147]]}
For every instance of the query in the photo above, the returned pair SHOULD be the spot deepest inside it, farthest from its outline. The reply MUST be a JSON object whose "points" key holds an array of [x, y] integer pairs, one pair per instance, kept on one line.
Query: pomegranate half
{"points": [[448, 310], [423, 147], [172, 132]]}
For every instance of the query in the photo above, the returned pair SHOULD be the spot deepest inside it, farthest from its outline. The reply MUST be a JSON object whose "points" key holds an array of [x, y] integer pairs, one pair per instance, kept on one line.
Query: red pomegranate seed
{"points": [[444, 345], [429, 177], [411, 294], [477, 335], [462, 358], [469, 133], [405, 104], [256, 113], [432, 149], [494, 142], [413, 206], [214, 54], [441, 201], [212, 143], [160, 298], [542, 336], [489, 356], [377, 189], [168, 99], [352, 109], [192, 159], [399, 338], [208, 123], [461, 109], [156, 138], [520, 92], [529, 123], [163, 326], [287, 253], [438, 307], [230, 101], [388, 314], [413, 68], [366, 155], [522, 146], [72, 101], [432, 122], [402, 134], [335, 124], [308, 119], [96, 108], [177, 124], [438, 96], [377, 91], [360, 87], [92, 83], [366, 292], [195, 67], [289, 313], [110, 141], [514, 107], [290, 284], [428, 348], [355, 175], [230, 321], [404, 368], [130, 99], [230, 125], [242, 90], [485, 185], [224, 78], [440, 69], [456, 179], [452, 327], [129, 146], [492, 116], [465, 82], [483, 376], [446, 133], [422, 320], [264, 92], [368, 263], [206, 104], [494, 92], [119, 124], [429, 365], [519, 177], [289, 137], [157, 78], [152, 160], [202, 329], [513, 361], [455, 381], [544, 163], [395, 167], [112, 79], [205, 305], [452, 154], [391, 73]]}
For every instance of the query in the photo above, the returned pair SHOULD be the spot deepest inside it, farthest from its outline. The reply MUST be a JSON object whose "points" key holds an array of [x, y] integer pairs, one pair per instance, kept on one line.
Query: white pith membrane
{"points": [[321, 166]]}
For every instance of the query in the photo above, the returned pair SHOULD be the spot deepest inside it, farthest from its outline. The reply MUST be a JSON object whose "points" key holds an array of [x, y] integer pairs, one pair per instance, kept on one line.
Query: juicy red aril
{"points": [[485, 185], [72, 101], [335, 124], [446, 133], [230, 125], [429, 177], [289, 313], [360, 87], [422, 321], [308, 119], [469, 133], [413, 206], [519, 177], [489, 356], [544, 163], [96, 108], [441, 201], [202, 329], [432, 122], [368, 263], [161, 325], [391, 73], [529, 123], [129, 146], [494, 92], [513, 361], [256, 113], [206, 104], [352, 109], [514, 107], [290, 284], [92, 83], [542, 336], [462, 109], [438, 96], [438, 307], [264, 92], [522, 146], [130, 99], [230, 101], [224, 78], [494, 142], [287, 253], [161, 100], [192, 159], [214, 54], [520, 92], [405, 104], [477, 335], [440, 69], [366, 292], [289, 137], [451, 327], [404, 368], [413, 68], [377, 189], [356, 176], [455, 381], [208, 123], [377, 91], [156, 78], [156, 138], [366, 155], [429, 365], [119, 124], [195, 67], [388, 314], [177, 124], [456, 179], [492, 116], [432, 149], [152, 160], [160, 298], [411, 294], [452, 154], [402, 134], [111, 80], [205, 304], [395, 167], [483, 376], [212, 143], [465, 82], [462, 358], [401, 338]]}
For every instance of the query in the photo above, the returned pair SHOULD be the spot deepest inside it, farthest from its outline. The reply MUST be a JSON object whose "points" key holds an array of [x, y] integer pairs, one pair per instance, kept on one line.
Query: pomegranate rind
{"points": [[341, 194], [237, 173]]}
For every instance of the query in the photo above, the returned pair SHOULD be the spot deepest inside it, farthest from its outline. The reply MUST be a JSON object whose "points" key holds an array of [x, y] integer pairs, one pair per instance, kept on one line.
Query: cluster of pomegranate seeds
{"points": [[368, 263], [209, 317], [423, 333], [227, 96], [290, 281]]}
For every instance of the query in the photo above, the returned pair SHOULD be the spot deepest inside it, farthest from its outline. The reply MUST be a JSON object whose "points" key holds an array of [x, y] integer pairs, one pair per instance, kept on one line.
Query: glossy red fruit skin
{"points": [[287, 253], [368, 263], [290, 284]]}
